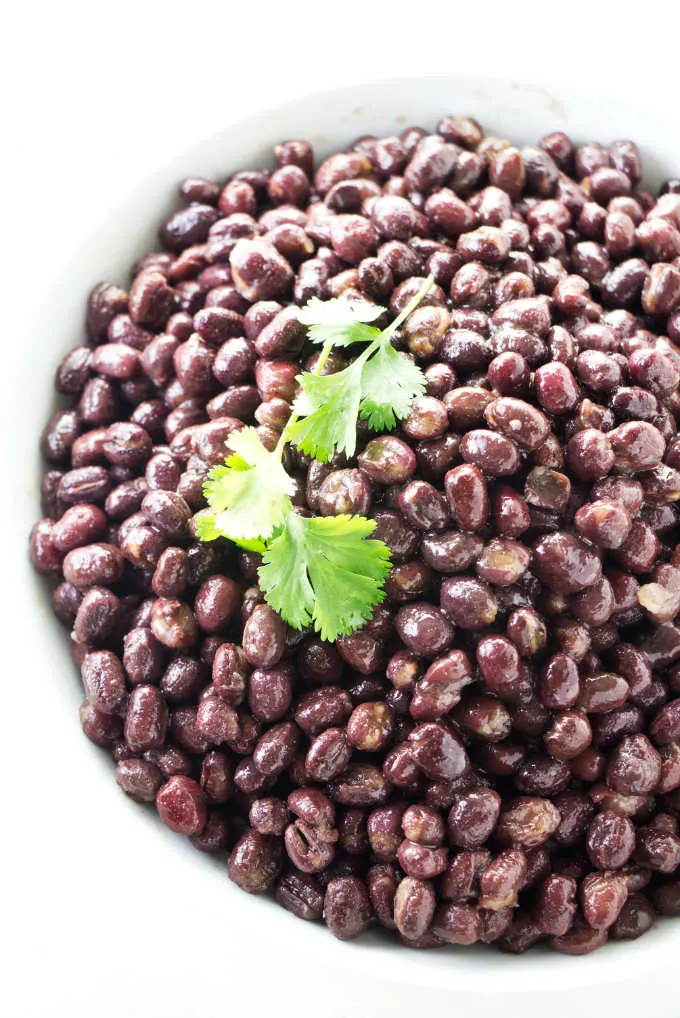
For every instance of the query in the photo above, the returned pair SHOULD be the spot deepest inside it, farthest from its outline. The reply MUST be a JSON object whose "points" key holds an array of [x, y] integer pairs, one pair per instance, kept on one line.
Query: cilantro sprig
{"points": [[379, 385], [322, 571]]}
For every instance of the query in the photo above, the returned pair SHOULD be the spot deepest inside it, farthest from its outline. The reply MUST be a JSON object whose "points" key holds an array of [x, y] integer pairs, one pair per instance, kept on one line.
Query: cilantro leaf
{"points": [[204, 526], [249, 496], [338, 312], [206, 529], [283, 575], [328, 406], [340, 322], [324, 570], [255, 544], [389, 384], [343, 335]]}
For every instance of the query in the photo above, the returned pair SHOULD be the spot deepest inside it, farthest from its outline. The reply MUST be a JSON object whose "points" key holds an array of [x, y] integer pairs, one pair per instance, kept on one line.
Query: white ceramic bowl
{"points": [[106, 852]]}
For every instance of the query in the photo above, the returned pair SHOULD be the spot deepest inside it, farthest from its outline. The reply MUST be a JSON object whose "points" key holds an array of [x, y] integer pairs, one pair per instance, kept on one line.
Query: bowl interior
{"points": [[155, 871]]}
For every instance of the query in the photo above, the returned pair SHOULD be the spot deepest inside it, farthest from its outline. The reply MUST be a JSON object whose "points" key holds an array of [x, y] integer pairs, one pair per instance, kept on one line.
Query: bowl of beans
{"points": [[479, 779]]}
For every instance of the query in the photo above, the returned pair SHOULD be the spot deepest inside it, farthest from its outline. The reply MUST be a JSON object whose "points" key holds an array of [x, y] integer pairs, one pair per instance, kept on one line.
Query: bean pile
{"points": [[495, 757]]}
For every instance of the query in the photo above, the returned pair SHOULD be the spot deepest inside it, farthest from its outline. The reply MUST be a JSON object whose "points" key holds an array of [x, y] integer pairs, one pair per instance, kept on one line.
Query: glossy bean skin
{"points": [[580, 939], [98, 617], [387, 460], [501, 880], [80, 525], [605, 524], [569, 735], [104, 682], [518, 420], [217, 600], [469, 603], [146, 719], [658, 850], [492, 453], [173, 623], [484, 716], [301, 895], [328, 755], [440, 689], [423, 506], [437, 752], [503, 562], [457, 924], [263, 641], [93, 565], [254, 862], [45, 556], [424, 629], [636, 917], [510, 511], [565, 564], [528, 822], [179, 803], [467, 495], [610, 840], [346, 907], [602, 898], [473, 817], [555, 908], [414, 905], [139, 779], [216, 778], [451, 551], [323, 708], [499, 664], [602, 692], [634, 767]]}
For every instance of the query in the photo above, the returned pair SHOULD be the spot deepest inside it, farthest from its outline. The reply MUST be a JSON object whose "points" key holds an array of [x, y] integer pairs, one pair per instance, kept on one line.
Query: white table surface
{"points": [[95, 92]]}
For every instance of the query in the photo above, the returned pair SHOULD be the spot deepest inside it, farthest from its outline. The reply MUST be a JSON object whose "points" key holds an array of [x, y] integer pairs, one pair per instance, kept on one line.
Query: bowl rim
{"points": [[369, 956]]}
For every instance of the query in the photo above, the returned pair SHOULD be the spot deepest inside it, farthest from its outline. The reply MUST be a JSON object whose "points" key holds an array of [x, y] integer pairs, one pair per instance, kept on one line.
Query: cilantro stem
{"points": [[389, 331], [326, 351], [384, 337], [411, 306], [323, 357]]}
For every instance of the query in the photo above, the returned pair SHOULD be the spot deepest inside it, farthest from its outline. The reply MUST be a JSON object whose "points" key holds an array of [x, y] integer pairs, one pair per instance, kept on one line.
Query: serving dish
{"points": [[105, 843]]}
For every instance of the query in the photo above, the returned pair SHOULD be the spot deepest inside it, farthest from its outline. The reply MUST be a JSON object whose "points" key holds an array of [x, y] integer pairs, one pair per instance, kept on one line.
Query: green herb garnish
{"points": [[323, 571], [378, 386]]}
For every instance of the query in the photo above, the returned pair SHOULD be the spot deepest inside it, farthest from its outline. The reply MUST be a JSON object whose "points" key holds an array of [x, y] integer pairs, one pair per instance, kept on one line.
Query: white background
{"points": [[95, 94]]}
